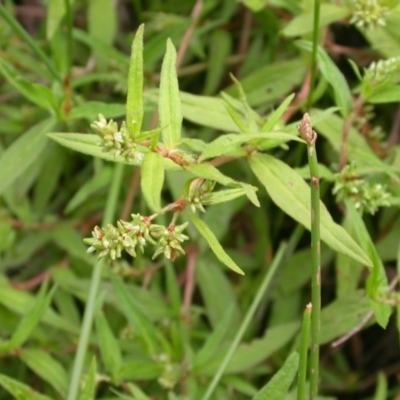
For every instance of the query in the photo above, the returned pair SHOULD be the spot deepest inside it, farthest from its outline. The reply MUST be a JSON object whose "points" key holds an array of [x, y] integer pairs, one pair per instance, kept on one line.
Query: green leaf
{"points": [[23, 152], [214, 244], [223, 196], [134, 103], [381, 391], [385, 94], [289, 192], [40, 95], [255, 5], [91, 109], [331, 127], [250, 192], [109, 347], [101, 21], [274, 118], [230, 142], [217, 294], [248, 355], [169, 107], [278, 387], [266, 85], [152, 179], [303, 23], [234, 112], [55, 14], [135, 316], [141, 368], [220, 46], [215, 339], [334, 77], [88, 391], [19, 302], [343, 314], [48, 368], [70, 240], [207, 111], [19, 390], [377, 284], [90, 188], [90, 144], [208, 171], [136, 392], [31, 319]]}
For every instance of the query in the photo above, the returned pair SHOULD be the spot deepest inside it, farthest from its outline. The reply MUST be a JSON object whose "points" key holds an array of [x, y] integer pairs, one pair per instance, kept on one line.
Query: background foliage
{"points": [[162, 329]]}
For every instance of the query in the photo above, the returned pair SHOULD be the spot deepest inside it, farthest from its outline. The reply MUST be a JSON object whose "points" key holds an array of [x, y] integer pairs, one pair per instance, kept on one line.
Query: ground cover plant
{"points": [[199, 199]]}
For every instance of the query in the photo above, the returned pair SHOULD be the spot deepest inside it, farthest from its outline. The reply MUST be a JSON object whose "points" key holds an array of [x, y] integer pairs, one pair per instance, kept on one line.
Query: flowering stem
{"points": [[310, 137], [305, 336], [109, 213], [317, 6]]}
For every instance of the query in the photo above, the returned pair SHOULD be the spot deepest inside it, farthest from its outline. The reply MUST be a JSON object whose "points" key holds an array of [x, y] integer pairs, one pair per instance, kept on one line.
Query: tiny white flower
{"points": [[139, 157], [118, 137]]}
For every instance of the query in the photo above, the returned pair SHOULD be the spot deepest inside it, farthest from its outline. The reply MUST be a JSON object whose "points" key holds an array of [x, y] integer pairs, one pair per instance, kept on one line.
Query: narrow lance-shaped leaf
{"points": [[218, 250], [22, 153], [47, 367], [19, 390], [55, 14], [89, 144], [134, 103], [31, 319], [169, 108], [38, 94], [89, 386], [232, 141], [291, 193], [377, 284], [152, 179], [135, 316], [274, 118], [278, 387], [109, 348]]}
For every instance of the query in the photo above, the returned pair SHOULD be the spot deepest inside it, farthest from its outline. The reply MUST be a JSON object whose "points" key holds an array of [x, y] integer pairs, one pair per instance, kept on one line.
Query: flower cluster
{"points": [[116, 140], [199, 191], [382, 71], [171, 371], [368, 197], [110, 241], [369, 13]]}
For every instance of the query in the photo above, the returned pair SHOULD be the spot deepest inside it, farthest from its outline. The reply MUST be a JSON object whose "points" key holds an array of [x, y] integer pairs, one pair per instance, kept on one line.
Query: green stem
{"points": [[304, 341], [68, 21], [317, 6], [250, 313], [109, 213], [29, 41], [316, 270]]}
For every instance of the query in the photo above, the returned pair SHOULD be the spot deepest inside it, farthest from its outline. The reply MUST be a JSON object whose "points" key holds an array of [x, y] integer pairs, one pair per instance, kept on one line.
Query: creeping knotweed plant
{"points": [[369, 14], [368, 197]]}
